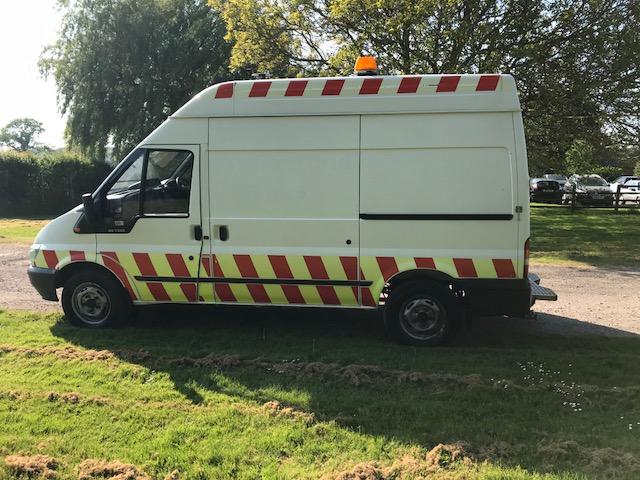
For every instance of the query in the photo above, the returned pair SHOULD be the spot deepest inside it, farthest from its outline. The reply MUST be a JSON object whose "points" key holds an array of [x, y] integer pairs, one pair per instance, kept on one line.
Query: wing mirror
{"points": [[89, 210]]}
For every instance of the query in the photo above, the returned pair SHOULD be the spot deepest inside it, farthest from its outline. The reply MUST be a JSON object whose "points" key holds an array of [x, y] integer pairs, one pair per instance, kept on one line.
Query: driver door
{"points": [[150, 235]]}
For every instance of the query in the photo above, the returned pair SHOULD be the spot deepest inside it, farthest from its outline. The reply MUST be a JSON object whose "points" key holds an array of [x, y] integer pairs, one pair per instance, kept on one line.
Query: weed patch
{"points": [[441, 457], [276, 409], [36, 466], [109, 470]]}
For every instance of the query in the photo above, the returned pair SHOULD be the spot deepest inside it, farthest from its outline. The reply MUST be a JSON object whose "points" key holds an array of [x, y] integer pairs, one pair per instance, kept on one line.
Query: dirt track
{"points": [[591, 300]]}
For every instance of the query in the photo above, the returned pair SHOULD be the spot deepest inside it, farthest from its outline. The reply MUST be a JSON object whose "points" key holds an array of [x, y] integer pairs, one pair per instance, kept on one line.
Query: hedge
{"points": [[45, 184]]}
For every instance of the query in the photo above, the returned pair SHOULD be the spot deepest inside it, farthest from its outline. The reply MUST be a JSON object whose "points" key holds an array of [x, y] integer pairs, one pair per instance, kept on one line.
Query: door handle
{"points": [[223, 233], [197, 232]]}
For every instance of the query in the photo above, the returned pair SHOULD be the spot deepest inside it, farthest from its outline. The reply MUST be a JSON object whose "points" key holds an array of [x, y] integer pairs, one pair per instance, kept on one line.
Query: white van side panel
{"points": [[289, 168], [438, 164], [287, 190], [437, 180]]}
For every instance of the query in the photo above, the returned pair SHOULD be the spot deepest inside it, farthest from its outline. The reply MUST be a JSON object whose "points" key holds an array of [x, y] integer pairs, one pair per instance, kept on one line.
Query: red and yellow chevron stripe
{"points": [[380, 269], [304, 269], [269, 279]]}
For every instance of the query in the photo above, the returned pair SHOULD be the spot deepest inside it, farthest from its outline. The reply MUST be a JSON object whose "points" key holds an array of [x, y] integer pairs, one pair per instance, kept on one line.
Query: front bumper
{"points": [[44, 281], [590, 199]]}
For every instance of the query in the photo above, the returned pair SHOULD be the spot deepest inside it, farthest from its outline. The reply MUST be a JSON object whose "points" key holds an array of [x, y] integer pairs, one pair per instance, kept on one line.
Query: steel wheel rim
{"points": [[423, 317], [91, 303]]}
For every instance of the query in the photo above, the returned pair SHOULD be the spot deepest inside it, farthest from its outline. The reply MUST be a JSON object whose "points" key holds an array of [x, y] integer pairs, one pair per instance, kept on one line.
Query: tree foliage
{"points": [[576, 62], [21, 133], [122, 66], [45, 183], [580, 158]]}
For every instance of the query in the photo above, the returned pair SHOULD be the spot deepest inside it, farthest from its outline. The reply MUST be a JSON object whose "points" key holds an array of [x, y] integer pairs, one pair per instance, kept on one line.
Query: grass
{"points": [[20, 230], [593, 236], [185, 389]]}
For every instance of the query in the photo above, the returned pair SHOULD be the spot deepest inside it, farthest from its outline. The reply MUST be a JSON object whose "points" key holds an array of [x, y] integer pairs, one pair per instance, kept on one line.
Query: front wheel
{"points": [[422, 313], [94, 299]]}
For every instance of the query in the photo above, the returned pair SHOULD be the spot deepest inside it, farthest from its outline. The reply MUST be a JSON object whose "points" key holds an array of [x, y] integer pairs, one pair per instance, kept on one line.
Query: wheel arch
{"points": [[426, 275], [420, 274], [72, 268]]}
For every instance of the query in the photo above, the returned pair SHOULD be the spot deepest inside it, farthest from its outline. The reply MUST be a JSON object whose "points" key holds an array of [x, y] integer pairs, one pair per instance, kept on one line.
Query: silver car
{"points": [[589, 190]]}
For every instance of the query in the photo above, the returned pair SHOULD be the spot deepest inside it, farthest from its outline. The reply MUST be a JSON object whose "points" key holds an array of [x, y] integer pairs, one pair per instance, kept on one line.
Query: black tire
{"points": [[422, 313], [94, 291]]}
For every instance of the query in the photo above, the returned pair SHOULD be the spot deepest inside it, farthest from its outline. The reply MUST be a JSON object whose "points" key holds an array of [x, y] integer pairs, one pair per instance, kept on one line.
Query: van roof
{"points": [[349, 95]]}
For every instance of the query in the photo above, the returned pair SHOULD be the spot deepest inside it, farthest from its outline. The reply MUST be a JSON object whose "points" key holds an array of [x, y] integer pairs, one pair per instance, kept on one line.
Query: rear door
{"points": [[284, 209], [150, 224]]}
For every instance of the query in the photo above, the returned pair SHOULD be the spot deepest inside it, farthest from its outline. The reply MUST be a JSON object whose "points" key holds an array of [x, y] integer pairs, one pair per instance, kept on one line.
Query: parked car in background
{"points": [[630, 192], [621, 181], [546, 191], [561, 179], [589, 190]]}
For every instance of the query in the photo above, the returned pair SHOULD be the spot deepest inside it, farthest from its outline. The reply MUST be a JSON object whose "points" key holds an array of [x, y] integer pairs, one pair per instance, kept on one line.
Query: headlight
{"points": [[33, 253]]}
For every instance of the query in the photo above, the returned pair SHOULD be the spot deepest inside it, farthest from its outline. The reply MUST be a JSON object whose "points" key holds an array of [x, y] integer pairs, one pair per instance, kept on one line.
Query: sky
{"points": [[26, 27]]}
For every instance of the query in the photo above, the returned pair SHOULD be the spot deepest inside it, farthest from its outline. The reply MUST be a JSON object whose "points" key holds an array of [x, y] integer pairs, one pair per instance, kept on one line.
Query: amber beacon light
{"points": [[366, 65]]}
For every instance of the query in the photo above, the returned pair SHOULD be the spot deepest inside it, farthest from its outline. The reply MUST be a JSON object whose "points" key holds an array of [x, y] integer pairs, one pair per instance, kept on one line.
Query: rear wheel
{"points": [[94, 299], [422, 313]]}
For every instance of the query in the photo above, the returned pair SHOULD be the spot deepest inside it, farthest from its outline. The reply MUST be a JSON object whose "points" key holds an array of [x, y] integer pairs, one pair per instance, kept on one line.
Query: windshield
{"points": [[553, 176], [632, 183], [593, 181]]}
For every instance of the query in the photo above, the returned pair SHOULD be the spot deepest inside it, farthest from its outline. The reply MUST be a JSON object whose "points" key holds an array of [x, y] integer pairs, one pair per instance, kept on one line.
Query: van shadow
{"points": [[346, 367]]}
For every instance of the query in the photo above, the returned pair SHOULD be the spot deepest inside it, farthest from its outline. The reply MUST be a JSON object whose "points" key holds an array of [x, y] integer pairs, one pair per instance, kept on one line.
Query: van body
{"points": [[405, 191]]}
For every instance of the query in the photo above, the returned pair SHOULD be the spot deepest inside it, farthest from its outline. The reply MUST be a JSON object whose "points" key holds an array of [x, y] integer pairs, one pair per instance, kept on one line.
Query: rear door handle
{"points": [[223, 233]]}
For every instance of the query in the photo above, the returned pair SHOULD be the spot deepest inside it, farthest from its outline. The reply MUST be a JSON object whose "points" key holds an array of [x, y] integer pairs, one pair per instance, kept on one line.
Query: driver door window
{"points": [[156, 183], [167, 182]]}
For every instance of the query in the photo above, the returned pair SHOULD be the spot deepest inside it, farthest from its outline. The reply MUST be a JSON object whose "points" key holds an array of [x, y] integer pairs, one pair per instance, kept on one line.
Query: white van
{"points": [[410, 192]]}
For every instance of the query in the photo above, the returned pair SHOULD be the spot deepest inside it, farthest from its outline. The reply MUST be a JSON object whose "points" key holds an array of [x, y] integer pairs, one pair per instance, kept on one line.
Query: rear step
{"points": [[539, 292]]}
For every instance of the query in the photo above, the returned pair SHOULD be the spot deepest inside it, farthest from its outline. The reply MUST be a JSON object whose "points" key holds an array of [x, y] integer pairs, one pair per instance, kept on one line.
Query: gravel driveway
{"points": [[591, 300]]}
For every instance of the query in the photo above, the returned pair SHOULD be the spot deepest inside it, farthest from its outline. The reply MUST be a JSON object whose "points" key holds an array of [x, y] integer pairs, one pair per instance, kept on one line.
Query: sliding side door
{"points": [[284, 209]]}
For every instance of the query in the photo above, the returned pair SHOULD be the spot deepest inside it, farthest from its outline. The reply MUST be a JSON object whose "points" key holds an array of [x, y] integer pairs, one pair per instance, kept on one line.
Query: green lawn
{"points": [[20, 230], [594, 236], [196, 394]]}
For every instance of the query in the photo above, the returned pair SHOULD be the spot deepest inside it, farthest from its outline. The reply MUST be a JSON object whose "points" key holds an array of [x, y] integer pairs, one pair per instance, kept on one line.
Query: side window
{"points": [[131, 177], [167, 182], [156, 182]]}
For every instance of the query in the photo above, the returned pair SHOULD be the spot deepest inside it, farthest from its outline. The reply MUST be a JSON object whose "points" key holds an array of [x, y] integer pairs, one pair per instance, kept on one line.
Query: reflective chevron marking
{"points": [[357, 86], [270, 279]]}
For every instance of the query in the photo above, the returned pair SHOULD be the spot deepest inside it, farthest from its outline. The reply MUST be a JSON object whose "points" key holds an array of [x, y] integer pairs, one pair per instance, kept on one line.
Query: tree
{"points": [[576, 62], [636, 169], [122, 66], [21, 133], [580, 158]]}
